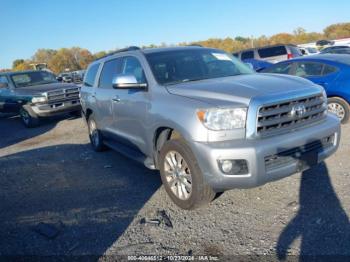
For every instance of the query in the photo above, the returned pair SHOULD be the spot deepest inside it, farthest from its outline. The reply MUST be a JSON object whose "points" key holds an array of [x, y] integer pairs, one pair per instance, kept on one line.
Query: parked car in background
{"points": [[345, 51], [322, 43], [309, 50], [78, 76], [36, 94], [332, 71], [272, 54], [205, 120], [65, 77], [335, 47]]}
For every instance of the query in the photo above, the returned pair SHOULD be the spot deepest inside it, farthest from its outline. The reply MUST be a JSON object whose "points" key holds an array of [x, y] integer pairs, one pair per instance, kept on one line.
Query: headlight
{"points": [[39, 99], [223, 119]]}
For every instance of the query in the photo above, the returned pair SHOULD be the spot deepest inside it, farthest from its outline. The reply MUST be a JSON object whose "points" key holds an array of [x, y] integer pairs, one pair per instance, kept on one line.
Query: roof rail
{"points": [[130, 48]]}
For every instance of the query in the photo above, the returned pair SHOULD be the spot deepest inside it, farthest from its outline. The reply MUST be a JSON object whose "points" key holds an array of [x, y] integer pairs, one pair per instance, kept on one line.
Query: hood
{"points": [[39, 89], [241, 89]]}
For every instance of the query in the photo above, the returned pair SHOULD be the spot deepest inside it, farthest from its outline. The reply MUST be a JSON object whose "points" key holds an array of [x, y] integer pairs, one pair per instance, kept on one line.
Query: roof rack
{"points": [[130, 48]]}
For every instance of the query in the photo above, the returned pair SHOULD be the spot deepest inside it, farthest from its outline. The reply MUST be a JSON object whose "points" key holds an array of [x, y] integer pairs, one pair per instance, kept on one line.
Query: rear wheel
{"points": [[27, 119], [95, 136], [340, 108], [182, 177]]}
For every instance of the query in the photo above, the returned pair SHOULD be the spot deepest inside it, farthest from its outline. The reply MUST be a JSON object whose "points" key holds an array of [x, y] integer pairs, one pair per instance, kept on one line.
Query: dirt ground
{"points": [[58, 197]]}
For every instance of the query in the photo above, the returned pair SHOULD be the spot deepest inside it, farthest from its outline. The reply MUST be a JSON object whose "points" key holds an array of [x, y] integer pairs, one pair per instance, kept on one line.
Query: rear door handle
{"points": [[93, 95], [116, 99]]}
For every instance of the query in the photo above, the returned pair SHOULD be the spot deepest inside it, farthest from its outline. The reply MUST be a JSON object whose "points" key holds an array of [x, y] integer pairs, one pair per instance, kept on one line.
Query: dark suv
{"points": [[36, 94]]}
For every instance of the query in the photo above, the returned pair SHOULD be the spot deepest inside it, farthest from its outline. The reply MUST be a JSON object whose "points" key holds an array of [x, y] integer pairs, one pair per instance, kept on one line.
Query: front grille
{"points": [[281, 117], [293, 155], [63, 95]]}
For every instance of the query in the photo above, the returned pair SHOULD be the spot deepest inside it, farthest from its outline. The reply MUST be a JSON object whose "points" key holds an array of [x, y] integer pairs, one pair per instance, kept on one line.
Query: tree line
{"points": [[77, 58]]}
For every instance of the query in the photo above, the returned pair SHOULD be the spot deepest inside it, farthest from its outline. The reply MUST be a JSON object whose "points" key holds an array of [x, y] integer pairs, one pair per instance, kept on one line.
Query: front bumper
{"points": [[57, 108], [256, 151]]}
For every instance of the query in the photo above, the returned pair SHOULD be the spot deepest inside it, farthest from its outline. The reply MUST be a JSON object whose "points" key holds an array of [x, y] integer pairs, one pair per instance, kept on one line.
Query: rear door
{"points": [[273, 54], [106, 95]]}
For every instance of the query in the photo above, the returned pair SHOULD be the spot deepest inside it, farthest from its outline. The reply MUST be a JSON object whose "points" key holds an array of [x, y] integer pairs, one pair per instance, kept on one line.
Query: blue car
{"points": [[332, 71], [258, 65]]}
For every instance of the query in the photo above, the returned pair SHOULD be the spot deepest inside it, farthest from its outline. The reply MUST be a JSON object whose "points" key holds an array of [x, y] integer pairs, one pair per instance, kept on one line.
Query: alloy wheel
{"points": [[178, 175], [337, 109]]}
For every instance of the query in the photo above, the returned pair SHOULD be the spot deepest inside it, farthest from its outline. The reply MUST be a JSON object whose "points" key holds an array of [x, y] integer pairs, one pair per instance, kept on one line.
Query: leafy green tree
{"points": [[17, 62]]}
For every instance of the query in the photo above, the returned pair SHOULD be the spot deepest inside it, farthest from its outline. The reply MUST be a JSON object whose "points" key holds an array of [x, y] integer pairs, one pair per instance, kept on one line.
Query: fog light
{"points": [[233, 167], [226, 166]]}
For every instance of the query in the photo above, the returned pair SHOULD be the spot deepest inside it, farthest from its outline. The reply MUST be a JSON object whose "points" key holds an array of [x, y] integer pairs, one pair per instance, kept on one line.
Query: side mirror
{"points": [[4, 85], [127, 82], [59, 78]]}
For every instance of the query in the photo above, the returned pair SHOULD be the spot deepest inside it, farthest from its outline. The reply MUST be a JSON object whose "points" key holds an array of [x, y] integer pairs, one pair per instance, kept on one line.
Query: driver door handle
{"points": [[116, 99]]}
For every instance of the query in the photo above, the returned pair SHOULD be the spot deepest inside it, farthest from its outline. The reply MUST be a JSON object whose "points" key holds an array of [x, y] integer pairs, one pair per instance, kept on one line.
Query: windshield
{"points": [[33, 78], [171, 67]]}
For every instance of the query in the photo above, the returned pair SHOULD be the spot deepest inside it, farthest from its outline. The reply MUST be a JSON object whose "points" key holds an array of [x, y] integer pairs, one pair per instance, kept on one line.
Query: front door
{"points": [[131, 107], [8, 102]]}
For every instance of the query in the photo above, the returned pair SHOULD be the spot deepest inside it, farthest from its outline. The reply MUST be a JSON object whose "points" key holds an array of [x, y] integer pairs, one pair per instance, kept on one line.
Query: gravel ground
{"points": [[58, 197]]}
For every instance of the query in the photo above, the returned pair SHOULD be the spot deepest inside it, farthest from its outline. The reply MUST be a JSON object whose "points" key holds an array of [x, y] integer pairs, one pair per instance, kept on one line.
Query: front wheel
{"points": [[27, 119], [182, 177], [340, 108]]}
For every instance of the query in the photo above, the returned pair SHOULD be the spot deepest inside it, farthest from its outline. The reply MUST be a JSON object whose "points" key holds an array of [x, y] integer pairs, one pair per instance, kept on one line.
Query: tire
{"points": [[186, 186], [29, 120], [340, 108], [96, 139]]}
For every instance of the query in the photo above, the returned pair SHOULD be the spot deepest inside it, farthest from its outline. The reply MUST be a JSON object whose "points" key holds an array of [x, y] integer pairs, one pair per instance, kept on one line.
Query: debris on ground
{"points": [[150, 221], [164, 218]]}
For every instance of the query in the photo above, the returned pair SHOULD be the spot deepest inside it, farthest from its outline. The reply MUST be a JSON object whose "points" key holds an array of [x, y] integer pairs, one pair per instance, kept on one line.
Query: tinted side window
{"points": [[247, 55], [90, 76], [110, 69], [279, 69], [329, 70], [272, 51], [133, 67], [308, 69]]}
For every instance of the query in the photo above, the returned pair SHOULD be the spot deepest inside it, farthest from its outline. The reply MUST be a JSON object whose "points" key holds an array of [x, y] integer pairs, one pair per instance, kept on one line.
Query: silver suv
{"points": [[205, 120], [273, 54]]}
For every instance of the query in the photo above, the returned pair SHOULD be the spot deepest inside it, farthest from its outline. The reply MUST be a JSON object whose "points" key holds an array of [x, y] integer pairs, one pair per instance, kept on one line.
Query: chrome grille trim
{"points": [[62, 95], [276, 118]]}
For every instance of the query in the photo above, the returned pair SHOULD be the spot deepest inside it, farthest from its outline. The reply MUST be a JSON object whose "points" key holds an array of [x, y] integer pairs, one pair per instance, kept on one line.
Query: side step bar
{"points": [[130, 153]]}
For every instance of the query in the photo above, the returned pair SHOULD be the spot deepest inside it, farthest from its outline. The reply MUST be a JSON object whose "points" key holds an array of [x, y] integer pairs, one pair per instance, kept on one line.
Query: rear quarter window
{"points": [[272, 51], [90, 76], [327, 70]]}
